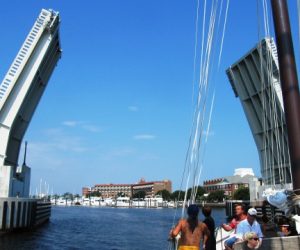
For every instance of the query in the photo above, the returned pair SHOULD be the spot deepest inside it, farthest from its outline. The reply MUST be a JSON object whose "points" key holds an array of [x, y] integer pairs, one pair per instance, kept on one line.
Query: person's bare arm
{"points": [[175, 231], [206, 234], [226, 227]]}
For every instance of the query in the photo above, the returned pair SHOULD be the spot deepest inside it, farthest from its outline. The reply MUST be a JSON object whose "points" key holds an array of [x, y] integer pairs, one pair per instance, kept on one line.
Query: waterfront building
{"points": [[243, 177], [86, 191], [112, 190], [152, 187]]}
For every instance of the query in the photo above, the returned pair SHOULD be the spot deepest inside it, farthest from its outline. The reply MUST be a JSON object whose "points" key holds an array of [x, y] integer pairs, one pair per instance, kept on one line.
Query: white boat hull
{"points": [[221, 236]]}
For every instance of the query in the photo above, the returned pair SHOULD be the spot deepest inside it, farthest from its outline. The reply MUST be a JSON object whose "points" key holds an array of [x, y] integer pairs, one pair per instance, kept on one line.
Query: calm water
{"points": [[101, 228]]}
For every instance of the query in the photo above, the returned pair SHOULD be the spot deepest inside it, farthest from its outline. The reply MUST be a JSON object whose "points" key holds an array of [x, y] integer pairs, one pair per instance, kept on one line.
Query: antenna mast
{"points": [[24, 161]]}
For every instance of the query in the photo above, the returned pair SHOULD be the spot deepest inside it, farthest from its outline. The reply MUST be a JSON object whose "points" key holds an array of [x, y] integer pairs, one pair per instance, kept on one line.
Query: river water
{"points": [[103, 228]]}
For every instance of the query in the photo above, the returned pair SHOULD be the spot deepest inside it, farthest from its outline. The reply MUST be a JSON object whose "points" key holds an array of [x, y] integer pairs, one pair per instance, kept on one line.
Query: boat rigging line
{"points": [[213, 21]]}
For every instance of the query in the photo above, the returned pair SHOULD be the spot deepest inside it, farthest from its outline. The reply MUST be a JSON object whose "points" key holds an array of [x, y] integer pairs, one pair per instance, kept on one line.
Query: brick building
{"points": [[243, 177], [85, 191], [152, 187], [113, 190], [222, 184]]}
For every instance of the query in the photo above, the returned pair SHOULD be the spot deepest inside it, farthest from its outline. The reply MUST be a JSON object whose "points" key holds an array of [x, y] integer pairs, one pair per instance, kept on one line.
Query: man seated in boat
{"points": [[286, 227], [240, 215], [249, 225], [192, 230]]}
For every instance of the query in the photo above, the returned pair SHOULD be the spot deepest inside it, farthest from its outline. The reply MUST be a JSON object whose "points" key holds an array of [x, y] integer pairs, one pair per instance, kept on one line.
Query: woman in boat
{"points": [[251, 241], [210, 223], [191, 230]]}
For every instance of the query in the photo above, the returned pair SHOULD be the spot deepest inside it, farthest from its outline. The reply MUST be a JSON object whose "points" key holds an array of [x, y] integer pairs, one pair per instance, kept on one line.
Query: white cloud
{"points": [[58, 140], [42, 156], [82, 124], [92, 128], [144, 137], [69, 143], [133, 108], [121, 152], [70, 123]]}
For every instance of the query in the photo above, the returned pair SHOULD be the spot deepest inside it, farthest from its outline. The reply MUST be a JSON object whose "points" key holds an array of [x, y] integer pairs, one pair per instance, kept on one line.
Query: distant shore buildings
{"points": [[243, 177], [112, 190], [152, 187]]}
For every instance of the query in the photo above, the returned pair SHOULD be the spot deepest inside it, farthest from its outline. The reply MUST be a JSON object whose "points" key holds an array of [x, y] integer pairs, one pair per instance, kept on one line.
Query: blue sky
{"points": [[118, 106]]}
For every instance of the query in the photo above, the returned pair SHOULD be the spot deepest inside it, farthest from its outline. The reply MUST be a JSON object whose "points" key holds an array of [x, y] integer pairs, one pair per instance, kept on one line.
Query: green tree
{"points": [[165, 194], [96, 193], [68, 195], [217, 196], [199, 192], [178, 195], [242, 193], [121, 194], [55, 196], [140, 194]]}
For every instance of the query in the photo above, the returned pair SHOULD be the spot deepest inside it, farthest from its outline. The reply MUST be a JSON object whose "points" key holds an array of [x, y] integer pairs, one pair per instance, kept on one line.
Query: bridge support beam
{"points": [[20, 93]]}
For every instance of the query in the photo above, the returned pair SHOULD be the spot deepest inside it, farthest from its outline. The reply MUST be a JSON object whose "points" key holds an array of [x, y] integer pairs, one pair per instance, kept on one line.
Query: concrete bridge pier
{"points": [[20, 93]]}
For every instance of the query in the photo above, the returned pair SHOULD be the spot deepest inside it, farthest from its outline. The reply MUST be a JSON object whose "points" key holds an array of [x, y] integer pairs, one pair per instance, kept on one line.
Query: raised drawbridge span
{"points": [[20, 92], [255, 80]]}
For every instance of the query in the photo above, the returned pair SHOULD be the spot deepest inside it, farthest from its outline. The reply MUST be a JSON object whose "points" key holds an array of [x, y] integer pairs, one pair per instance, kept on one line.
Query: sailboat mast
{"points": [[289, 85]]}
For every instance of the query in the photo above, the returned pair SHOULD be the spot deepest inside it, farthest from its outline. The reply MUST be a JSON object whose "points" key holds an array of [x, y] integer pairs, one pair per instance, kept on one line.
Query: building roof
{"points": [[230, 180], [112, 185]]}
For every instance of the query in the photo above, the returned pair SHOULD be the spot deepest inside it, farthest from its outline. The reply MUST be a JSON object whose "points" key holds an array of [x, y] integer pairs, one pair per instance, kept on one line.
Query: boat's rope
{"points": [[213, 17], [223, 35], [195, 51], [212, 12], [186, 170], [298, 6]]}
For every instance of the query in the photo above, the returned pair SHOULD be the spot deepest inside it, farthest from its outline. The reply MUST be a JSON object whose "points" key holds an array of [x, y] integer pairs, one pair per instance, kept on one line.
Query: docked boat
{"points": [[86, 201], [136, 202], [95, 201], [171, 204], [63, 202], [123, 202], [77, 201], [151, 202], [108, 201], [154, 202]]}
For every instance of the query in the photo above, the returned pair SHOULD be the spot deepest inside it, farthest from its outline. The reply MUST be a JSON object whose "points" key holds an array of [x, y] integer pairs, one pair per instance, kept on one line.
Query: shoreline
{"points": [[219, 204]]}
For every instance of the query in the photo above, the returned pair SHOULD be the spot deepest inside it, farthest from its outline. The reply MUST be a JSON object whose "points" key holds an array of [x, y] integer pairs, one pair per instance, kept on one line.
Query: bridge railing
{"points": [[23, 55]]}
